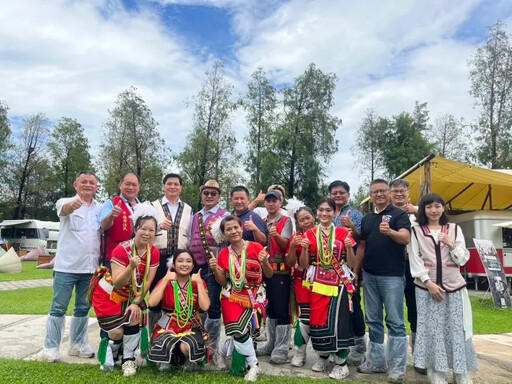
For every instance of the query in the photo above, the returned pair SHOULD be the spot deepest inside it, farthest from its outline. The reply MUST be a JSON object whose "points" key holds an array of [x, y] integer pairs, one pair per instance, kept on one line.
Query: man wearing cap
{"points": [[278, 286], [174, 218], [202, 247]]}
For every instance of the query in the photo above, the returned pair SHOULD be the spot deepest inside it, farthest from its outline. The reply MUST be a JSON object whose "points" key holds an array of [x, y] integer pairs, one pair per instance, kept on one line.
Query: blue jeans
{"points": [[384, 292], [63, 284]]}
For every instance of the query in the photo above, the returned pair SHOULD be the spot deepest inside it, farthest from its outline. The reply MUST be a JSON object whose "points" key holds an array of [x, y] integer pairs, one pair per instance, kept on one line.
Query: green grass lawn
{"points": [[29, 272], [19, 371]]}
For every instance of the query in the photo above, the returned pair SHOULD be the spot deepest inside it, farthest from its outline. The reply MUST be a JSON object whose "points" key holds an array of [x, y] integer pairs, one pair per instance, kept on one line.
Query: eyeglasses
{"points": [[209, 193], [338, 193], [379, 192], [399, 191]]}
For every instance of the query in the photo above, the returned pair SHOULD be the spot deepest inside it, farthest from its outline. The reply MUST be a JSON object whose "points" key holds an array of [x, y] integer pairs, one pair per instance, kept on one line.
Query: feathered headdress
{"points": [[144, 209], [293, 205]]}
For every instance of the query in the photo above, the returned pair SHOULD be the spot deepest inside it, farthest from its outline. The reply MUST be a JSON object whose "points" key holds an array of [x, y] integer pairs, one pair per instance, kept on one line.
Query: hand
{"points": [[196, 277], [435, 291], [116, 211], [263, 256], [355, 280], [345, 220], [304, 243], [213, 264], [348, 243], [249, 225], [167, 223], [295, 241], [135, 262], [170, 275], [261, 197], [135, 316], [410, 209], [273, 231], [77, 203], [384, 227], [444, 238]]}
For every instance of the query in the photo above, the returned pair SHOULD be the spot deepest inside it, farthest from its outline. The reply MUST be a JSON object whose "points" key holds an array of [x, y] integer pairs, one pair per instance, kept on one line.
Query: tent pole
{"points": [[427, 185], [460, 193]]}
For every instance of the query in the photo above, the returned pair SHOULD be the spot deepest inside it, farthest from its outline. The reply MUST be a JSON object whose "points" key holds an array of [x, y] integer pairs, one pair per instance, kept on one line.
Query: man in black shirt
{"points": [[381, 251]]}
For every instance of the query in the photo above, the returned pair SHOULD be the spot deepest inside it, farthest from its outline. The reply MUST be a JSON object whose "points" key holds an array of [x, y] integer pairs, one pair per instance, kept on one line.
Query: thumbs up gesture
{"points": [[196, 277], [116, 211], [410, 208], [346, 222], [77, 203], [384, 226], [167, 223], [249, 225], [263, 256]]}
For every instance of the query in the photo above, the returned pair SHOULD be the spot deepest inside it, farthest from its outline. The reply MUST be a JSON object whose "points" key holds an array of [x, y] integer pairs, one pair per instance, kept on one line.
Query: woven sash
{"points": [[173, 232]]}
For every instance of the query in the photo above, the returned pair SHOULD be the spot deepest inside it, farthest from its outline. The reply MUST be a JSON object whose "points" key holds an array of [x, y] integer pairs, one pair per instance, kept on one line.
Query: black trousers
{"points": [[410, 298]]}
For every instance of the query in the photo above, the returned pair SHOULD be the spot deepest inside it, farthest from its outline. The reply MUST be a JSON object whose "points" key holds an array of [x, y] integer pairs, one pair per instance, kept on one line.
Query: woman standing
{"points": [[436, 253], [330, 322], [239, 270], [118, 298], [179, 333], [304, 220]]}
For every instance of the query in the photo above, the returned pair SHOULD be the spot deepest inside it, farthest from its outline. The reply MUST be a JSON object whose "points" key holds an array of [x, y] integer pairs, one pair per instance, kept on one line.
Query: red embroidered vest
{"points": [[121, 230], [277, 255]]}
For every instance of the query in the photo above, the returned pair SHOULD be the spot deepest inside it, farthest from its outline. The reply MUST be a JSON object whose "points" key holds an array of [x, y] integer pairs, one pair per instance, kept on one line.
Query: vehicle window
{"points": [[7, 232], [507, 238]]}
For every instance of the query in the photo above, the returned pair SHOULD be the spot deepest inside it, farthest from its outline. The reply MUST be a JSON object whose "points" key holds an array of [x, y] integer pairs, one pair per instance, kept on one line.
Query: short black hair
{"points": [[379, 181], [430, 198], [173, 176], [229, 218], [123, 176], [86, 173], [399, 183], [329, 201], [302, 209], [239, 188], [339, 183]]}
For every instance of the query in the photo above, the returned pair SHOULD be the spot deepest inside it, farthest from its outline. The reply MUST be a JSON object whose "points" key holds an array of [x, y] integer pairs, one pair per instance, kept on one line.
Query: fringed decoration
{"points": [[144, 341], [238, 364], [243, 301], [326, 290], [298, 340], [102, 351], [98, 275]]}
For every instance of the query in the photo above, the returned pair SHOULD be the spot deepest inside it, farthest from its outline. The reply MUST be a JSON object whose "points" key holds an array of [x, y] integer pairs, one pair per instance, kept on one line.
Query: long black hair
{"points": [[431, 198], [329, 201]]}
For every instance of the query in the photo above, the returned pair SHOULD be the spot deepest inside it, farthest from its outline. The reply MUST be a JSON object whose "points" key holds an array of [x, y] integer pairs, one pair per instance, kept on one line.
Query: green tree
{"points": [[29, 162], [403, 140], [305, 141], [132, 143], [210, 151], [450, 137], [69, 150], [260, 104], [491, 86], [368, 145], [5, 147]]}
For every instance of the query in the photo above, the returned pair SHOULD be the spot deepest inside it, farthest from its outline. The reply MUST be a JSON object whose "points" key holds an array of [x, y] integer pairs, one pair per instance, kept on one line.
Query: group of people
{"points": [[162, 280]]}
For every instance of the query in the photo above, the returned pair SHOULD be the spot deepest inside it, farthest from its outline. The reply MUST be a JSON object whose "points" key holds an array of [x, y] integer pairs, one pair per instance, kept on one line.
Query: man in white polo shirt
{"points": [[78, 254]]}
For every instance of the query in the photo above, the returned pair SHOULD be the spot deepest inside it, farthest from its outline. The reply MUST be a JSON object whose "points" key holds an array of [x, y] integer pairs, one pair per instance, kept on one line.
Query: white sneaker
{"points": [[129, 368], [50, 355], [84, 350], [339, 372], [437, 377], [299, 358], [162, 367], [320, 365], [253, 373], [462, 378]]}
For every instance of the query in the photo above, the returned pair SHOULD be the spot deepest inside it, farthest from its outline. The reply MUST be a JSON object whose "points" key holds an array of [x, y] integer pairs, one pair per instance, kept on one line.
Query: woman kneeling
{"points": [[179, 334]]}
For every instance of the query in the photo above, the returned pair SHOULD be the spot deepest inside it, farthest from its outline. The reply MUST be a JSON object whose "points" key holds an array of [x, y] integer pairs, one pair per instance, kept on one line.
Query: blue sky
{"points": [[72, 58]]}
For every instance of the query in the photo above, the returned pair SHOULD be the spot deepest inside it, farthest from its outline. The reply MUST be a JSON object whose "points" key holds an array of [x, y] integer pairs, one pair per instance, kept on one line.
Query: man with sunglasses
{"points": [[202, 247]]}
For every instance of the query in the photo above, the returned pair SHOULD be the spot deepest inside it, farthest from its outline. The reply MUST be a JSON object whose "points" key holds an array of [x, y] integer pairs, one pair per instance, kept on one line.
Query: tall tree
{"points": [[451, 138], [210, 151], [29, 159], [305, 141], [69, 149], [5, 146], [404, 143], [260, 104], [368, 146], [132, 143], [491, 86]]}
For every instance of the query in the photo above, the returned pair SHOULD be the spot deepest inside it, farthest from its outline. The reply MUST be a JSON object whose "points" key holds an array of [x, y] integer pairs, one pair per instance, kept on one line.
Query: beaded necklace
{"points": [[237, 280], [183, 306], [135, 287], [325, 251]]}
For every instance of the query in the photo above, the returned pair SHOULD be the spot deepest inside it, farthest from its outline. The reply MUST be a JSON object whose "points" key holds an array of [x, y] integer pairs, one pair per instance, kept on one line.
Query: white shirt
{"points": [[78, 247], [173, 208]]}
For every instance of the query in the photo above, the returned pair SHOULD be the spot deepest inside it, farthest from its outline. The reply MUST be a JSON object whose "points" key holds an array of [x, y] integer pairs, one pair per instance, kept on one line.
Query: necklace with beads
{"points": [[237, 279], [183, 306], [325, 251]]}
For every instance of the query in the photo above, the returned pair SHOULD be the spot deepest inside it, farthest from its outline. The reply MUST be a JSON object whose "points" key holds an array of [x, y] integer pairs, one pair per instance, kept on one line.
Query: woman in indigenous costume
{"points": [[118, 298], [179, 333], [239, 271], [323, 251], [445, 327], [304, 220]]}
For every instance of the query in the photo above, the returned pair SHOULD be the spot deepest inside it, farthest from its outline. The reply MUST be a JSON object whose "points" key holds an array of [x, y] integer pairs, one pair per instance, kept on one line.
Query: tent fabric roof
{"points": [[464, 187]]}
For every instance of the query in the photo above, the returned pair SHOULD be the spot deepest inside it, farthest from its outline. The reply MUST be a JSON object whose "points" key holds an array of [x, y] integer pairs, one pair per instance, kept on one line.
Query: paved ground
{"points": [[22, 338]]}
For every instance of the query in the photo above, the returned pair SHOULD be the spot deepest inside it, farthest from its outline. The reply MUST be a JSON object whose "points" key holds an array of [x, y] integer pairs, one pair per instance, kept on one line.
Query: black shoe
{"points": [[421, 371]]}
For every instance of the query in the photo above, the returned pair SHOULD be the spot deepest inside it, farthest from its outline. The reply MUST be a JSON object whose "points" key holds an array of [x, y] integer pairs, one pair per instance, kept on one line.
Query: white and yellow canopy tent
{"points": [[464, 187]]}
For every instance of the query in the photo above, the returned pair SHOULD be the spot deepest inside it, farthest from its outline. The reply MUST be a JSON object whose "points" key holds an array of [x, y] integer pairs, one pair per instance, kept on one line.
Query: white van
{"points": [[29, 234]]}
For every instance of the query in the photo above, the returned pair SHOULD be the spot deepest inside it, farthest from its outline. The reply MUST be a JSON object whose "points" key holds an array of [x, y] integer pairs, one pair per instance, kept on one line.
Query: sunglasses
{"points": [[210, 193]]}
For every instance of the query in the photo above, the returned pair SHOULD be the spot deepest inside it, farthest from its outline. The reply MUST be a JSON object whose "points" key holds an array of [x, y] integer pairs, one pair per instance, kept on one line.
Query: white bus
{"points": [[26, 235]]}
